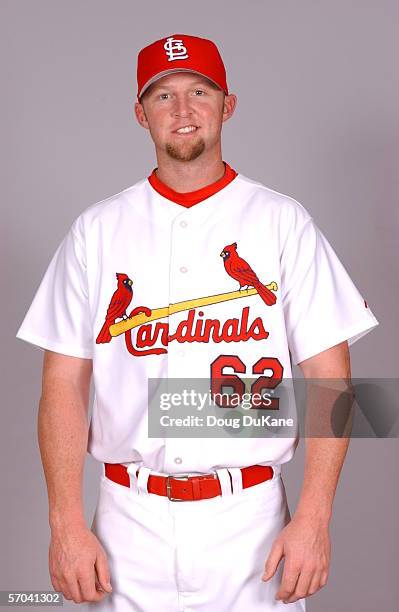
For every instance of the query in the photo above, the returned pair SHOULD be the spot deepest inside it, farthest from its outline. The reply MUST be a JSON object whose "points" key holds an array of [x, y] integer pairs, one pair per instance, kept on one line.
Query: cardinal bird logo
{"points": [[117, 306], [241, 271]]}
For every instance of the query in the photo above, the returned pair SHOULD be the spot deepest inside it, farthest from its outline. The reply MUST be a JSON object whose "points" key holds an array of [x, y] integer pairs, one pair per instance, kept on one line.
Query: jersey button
{"points": [[178, 459], [183, 223], [183, 269]]}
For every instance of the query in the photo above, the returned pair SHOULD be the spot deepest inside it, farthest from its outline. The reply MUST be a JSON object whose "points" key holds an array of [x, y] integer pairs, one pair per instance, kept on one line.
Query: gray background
{"points": [[316, 119]]}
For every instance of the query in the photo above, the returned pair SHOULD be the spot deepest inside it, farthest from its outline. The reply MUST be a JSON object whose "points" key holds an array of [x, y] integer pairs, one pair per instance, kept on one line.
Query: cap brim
{"points": [[171, 71]]}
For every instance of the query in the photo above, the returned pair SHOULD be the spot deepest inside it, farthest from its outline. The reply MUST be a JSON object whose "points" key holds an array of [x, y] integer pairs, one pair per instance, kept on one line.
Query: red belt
{"points": [[182, 487]]}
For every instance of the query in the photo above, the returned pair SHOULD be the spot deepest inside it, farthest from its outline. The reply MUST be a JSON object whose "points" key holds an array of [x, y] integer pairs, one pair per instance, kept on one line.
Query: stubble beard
{"points": [[185, 153]]}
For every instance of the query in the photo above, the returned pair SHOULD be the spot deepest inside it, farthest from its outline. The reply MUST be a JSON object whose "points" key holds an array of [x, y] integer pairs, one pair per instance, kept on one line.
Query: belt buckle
{"points": [[168, 488]]}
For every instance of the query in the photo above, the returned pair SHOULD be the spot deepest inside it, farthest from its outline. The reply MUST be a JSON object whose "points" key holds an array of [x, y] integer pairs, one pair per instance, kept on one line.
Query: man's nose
{"points": [[182, 106]]}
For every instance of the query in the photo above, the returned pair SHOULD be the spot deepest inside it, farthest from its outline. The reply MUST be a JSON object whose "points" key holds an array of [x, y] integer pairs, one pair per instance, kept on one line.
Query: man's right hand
{"points": [[78, 564]]}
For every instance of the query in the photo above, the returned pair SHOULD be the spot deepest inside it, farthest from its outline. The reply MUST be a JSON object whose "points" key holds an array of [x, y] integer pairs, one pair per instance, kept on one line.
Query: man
{"points": [[195, 272]]}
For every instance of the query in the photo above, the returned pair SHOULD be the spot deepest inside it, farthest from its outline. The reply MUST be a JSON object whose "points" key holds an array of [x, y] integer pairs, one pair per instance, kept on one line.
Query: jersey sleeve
{"points": [[58, 318], [322, 306]]}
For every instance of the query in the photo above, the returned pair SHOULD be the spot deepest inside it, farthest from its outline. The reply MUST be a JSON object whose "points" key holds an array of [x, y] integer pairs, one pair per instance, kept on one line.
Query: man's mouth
{"points": [[187, 129]]}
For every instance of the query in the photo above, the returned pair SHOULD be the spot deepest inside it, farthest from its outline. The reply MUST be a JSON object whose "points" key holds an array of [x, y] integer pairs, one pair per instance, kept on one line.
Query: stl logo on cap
{"points": [[175, 49]]}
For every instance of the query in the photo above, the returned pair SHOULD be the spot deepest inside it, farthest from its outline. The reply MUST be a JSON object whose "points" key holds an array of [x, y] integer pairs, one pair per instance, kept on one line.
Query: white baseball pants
{"points": [[192, 556]]}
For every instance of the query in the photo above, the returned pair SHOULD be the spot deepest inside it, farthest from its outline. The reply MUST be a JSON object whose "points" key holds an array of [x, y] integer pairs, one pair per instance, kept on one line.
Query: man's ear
{"points": [[140, 115], [229, 105]]}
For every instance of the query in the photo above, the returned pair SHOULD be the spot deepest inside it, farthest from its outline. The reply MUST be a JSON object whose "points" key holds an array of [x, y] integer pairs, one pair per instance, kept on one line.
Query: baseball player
{"points": [[195, 271]]}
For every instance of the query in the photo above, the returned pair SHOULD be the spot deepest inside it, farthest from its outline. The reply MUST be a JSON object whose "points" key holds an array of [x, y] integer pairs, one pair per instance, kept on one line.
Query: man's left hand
{"points": [[305, 545]]}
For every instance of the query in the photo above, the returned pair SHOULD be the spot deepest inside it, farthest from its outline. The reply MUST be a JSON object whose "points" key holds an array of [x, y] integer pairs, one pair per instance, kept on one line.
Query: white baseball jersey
{"points": [[242, 282]]}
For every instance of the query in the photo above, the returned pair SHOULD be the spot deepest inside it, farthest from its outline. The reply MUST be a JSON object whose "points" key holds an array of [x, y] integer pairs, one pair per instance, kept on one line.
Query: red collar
{"points": [[190, 198]]}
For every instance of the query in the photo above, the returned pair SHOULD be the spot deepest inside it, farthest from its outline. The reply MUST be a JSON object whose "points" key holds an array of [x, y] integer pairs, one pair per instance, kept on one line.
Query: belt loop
{"points": [[142, 480], [103, 468], [131, 470], [224, 479], [276, 471], [236, 478]]}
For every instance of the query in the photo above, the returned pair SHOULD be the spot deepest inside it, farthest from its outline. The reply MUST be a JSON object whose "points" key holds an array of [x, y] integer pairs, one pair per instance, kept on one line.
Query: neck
{"points": [[183, 177]]}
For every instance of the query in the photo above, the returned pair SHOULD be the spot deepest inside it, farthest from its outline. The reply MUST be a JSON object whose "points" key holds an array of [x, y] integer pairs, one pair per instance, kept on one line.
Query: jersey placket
{"points": [[181, 285]]}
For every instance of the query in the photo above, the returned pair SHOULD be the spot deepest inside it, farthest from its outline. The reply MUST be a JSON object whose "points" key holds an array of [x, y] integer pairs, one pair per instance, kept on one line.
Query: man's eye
{"points": [[164, 94], [199, 90]]}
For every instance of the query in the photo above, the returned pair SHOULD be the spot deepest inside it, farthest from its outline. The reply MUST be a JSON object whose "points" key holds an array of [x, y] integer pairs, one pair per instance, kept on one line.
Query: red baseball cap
{"points": [[179, 53]]}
